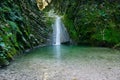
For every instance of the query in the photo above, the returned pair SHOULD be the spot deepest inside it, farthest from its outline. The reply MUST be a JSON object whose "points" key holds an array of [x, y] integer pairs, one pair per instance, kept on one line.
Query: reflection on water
{"points": [[65, 63], [57, 54], [62, 52]]}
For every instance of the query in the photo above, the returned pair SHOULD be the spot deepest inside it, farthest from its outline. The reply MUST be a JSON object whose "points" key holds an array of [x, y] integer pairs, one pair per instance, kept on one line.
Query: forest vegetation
{"points": [[89, 22]]}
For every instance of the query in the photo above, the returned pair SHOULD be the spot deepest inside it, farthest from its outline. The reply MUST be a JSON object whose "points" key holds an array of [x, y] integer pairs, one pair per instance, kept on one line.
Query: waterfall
{"points": [[60, 34], [57, 25]]}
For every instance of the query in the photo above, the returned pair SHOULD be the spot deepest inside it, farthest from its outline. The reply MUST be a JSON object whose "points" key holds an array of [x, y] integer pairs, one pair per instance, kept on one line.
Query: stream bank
{"points": [[65, 63]]}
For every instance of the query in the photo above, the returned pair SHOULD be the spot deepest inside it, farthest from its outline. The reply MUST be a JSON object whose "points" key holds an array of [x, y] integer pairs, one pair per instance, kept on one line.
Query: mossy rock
{"points": [[3, 62]]}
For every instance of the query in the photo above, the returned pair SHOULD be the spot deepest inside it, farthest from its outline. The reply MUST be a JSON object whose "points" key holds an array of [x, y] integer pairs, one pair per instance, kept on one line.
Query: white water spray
{"points": [[57, 25], [60, 34]]}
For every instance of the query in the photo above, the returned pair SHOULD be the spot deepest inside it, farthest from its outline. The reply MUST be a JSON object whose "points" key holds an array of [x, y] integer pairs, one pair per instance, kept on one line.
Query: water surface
{"points": [[65, 63]]}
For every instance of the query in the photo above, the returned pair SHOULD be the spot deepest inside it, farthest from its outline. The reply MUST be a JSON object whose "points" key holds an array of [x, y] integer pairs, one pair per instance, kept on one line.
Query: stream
{"points": [[65, 62]]}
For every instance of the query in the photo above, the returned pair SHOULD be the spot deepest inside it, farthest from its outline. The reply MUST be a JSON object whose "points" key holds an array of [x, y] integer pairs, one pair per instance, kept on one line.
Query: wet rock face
{"points": [[22, 27]]}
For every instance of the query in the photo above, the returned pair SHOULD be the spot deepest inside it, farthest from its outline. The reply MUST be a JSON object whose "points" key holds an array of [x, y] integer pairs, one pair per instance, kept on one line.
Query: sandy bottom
{"points": [[103, 64]]}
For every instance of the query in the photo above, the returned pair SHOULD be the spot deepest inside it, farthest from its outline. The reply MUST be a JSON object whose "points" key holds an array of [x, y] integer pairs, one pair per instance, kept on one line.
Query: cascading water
{"points": [[57, 25], [60, 34]]}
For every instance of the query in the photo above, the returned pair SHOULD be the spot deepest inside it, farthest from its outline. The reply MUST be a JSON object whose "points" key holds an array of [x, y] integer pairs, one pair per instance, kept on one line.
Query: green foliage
{"points": [[71, 28], [49, 21], [18, 22], [93, 21]]}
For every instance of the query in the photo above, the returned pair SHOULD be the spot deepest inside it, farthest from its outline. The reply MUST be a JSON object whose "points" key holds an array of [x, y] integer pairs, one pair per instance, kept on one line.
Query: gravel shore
{"points": [[94, 66]]}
